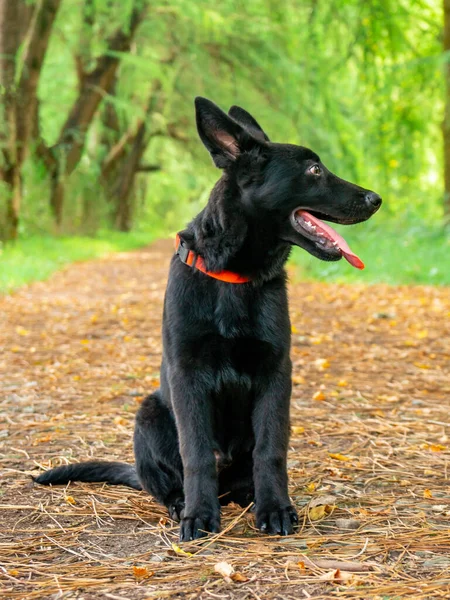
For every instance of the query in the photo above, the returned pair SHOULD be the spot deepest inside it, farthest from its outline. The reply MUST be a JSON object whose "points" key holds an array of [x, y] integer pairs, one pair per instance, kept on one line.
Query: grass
{"points": [[36, 258], [394, 254]]}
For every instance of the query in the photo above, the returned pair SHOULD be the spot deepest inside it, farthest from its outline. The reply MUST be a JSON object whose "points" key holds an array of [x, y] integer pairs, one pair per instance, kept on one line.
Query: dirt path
{"points": [[370, 416]]}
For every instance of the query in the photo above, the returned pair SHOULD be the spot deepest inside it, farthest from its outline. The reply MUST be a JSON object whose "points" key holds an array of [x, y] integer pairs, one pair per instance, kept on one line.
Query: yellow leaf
{"points": [[120, 421], [316, 513], [319, 396], [13, 572], [298, 379], [434, 447], [179, 550], [337, 456], [297, 430], [311, 487], [420, 335], [70, 499], [43, 439], [422, 366], [430, 472], [142, 572], [84, 342], [127, 338], [377, 412], [76, 377], [322, 363], [294, 329], [342, 383], [321, 506], [427, 494], [22, 331]]}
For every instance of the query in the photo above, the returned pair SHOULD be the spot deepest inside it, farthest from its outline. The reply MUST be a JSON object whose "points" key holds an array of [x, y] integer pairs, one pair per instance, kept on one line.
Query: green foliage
{"points": [[395, 253], [360, 82], [36, 258]]}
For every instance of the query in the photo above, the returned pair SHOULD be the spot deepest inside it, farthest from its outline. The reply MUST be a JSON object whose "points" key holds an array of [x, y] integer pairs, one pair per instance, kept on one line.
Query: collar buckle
{"points": [[183, 252]]}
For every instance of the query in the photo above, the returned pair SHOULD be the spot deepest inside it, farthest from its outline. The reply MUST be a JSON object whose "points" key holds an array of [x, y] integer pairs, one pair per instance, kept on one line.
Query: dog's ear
{"points": [[223, 137], [251, 125]]}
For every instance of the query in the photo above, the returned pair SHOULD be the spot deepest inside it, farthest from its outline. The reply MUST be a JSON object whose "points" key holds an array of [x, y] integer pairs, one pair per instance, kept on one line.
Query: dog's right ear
{"points": [[246, 120], [223, 137]]}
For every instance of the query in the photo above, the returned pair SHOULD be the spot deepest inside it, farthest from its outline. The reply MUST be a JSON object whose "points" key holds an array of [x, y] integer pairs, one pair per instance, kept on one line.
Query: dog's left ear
{"points": [[224, 138], [251, 125]]}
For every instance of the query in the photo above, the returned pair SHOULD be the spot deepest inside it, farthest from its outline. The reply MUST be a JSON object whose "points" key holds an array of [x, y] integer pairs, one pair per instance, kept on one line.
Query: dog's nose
{"points": [[373, 199]]}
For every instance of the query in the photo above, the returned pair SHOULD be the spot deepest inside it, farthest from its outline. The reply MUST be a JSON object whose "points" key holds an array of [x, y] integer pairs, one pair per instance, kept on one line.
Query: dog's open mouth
{"points": [[324, 237]]}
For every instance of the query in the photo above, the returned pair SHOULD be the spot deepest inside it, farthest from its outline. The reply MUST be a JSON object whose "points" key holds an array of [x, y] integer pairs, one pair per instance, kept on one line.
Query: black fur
{"points": [[219, 425]]}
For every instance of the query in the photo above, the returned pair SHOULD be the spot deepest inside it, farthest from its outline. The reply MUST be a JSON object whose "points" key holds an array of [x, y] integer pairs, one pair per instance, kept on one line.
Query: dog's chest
{"points": [[234, 316]]}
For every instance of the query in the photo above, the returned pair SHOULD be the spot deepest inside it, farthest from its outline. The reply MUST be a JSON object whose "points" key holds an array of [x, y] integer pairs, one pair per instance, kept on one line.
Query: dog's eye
{"points": [[315, 170]]}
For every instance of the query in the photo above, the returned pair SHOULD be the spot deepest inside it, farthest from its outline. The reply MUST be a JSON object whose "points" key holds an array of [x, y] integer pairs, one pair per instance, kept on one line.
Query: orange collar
{"points": [[191, 259]]}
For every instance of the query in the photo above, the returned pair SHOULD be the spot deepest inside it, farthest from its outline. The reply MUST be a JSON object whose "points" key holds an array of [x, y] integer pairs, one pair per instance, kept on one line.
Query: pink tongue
{"points": [[333, 235]]}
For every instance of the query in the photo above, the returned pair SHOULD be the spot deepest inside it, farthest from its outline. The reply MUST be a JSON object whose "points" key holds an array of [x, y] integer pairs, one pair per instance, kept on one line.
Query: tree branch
{"points": [[148, 168], [95, 85]]}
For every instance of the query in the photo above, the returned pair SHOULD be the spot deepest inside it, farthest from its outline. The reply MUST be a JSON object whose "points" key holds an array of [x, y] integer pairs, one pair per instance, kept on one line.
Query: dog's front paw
{"points": [[199, 524], [276, 521]]}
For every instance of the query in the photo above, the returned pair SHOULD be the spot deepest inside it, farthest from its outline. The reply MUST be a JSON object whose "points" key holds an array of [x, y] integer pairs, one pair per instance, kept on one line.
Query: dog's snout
{"points": [[373, 199]]}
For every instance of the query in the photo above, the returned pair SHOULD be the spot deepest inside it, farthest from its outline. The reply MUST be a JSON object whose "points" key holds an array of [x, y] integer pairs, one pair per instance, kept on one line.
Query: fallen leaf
{"points": [[239, 577], [317, 513], [297, 430], [142, 572], [427, 494], [337, 456], [70, 500], [298, 380], [321, 506], [224, 569], [22, 331], [434, 447], [319, 396], [179, 550], [330, 575], [322, 363]]}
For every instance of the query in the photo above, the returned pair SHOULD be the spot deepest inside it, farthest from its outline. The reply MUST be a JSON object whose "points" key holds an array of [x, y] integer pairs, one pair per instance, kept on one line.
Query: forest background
{"points": [[98, 147]]}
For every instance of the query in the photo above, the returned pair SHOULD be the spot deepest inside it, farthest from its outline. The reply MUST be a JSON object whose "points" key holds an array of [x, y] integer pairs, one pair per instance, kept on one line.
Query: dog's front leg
{"points": [[274, 512], [191, 396]]}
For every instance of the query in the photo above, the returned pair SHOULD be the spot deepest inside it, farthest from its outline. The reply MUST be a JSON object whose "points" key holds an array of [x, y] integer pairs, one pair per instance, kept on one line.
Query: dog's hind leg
{"points": [[158, 460]]}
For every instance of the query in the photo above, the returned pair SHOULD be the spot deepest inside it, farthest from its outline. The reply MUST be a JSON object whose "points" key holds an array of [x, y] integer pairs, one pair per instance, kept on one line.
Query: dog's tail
{"points": [[115, 473]]}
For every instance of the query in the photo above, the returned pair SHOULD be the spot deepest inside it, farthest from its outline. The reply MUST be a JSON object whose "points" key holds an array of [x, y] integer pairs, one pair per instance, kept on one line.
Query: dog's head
{"points": [[287, 184]]}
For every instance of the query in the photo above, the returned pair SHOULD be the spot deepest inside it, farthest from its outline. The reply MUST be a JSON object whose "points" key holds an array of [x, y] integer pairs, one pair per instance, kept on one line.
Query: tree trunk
{"points": [[21, 24], [122, 195], [446, 124], [93, 86]]}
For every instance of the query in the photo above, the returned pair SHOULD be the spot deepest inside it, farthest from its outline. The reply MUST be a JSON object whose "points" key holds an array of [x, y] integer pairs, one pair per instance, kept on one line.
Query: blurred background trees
{"points": [[97, 126]]}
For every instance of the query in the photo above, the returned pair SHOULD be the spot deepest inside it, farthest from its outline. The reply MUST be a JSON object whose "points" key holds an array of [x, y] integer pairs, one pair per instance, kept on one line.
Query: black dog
{"points": [[217, 430]]}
